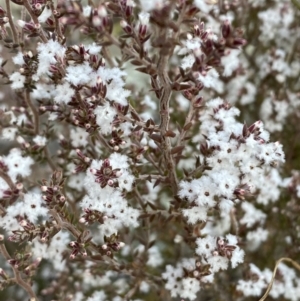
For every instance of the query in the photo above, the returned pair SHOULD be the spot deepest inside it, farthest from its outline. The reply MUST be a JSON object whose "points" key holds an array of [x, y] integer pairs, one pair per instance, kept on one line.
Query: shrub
{"points": [[139, 154]]}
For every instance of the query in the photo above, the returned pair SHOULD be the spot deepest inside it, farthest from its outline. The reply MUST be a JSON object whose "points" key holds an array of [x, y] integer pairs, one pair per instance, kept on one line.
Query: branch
{"points": [[18, 279], [56, 21], [188, 120], [165, 118], [64, 225], [128, 50], [8, 180], [33, 110], [294, 263], [11, 22], [145, 177], [35, 20], [49, 159]]}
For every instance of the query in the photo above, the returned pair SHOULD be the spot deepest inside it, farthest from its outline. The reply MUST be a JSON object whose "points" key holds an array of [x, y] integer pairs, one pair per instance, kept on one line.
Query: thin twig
{"points": [[12, 187], [18, 279], [107, 56], [136, 122], [64, 225], [294, 263], [188, 120], [8, 180], [35, 20], [128, 50], [57, 25], [103, 141], [11, 22], [145, 177], [132, 291], [33, 110], [49, 159], [150, 159], [22, 33]]}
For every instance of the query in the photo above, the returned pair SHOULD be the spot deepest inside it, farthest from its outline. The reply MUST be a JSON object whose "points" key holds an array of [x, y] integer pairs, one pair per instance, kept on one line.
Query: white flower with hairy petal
{"points": [[151, 5], [177, 284], [17, 80], [9, 133], [104, 117], [109, 200], [79, 137], [113, 78], [17, 165], [43, 91], [93, 48], [80, 74], [230, 62], [63, 93], [40, 140], [18, 59], [211, 80], [97, 296], [31, 207], [45, 15], [48, 53], [53, 250]]}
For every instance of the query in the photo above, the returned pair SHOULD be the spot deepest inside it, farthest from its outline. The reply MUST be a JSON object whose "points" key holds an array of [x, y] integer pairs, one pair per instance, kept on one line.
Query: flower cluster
{"points": [[149, 150]]}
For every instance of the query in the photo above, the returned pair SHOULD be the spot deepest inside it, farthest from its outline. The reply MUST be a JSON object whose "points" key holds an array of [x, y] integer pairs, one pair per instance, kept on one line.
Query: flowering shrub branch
{"points": [[137, 155]]}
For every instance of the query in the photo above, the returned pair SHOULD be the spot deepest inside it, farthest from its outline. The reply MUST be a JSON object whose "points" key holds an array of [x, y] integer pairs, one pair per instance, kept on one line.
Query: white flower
{"points": [[80, 75], [126, 180], [252, 215], [144, 287], [17, 165], [154, 257], [113, 78], [18, 80], [151, 5], [78, 137], [43, 91], [185, 287], [3, 186], [9, 133], [18, 59], [195, 214], [256, 237], [205, 6], [32, 207], [211, 80], [217, 263], [9, 222], [97, 296], [45, 15], [40, 140], [205, 246], [144, 18], [191, 287], [76, 181], [52, 250], [87, 11], [47, 54], [63, 93], [93, 48], [104, 117], [230, 62], [237, 257]]}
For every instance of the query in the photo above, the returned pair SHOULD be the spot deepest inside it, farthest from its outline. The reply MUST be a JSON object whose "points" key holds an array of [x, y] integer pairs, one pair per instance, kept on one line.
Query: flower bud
{"points": [[226, 29], [126, 27]]}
